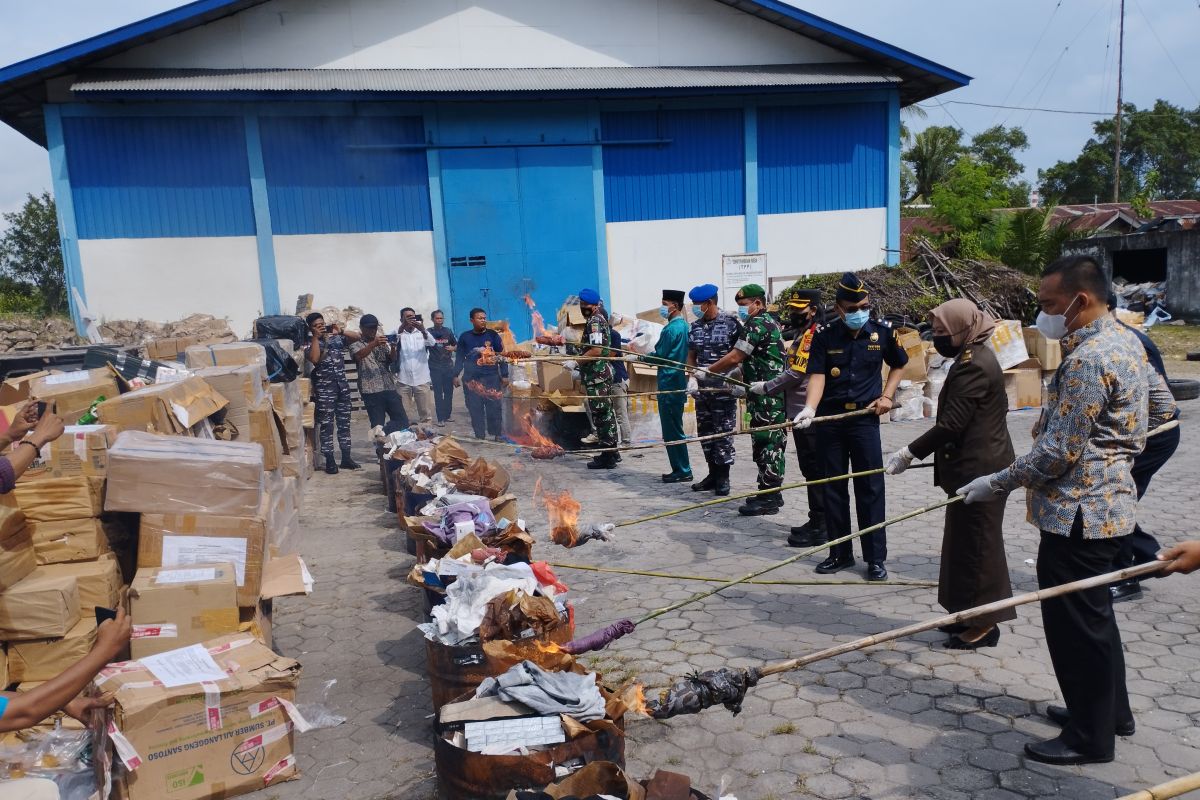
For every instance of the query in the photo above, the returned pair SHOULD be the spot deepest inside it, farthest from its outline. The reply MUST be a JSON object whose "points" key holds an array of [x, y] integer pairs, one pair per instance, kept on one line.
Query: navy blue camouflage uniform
{"points": [[716, 412], [332, 391]]}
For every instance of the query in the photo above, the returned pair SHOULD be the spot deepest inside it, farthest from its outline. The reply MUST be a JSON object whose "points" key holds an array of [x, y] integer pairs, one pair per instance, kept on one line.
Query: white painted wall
{"points": [[646, 257], [823, 241], [168, 279], [378, 272], [429, 34]]}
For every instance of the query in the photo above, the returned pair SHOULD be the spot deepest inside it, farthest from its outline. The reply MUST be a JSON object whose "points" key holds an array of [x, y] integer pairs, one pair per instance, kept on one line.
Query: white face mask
{"points": [[1053, 326]]}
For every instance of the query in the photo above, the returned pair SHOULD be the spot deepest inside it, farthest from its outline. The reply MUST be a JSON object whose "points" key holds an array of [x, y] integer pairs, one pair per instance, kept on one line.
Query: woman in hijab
{"points": [[969, 439]]}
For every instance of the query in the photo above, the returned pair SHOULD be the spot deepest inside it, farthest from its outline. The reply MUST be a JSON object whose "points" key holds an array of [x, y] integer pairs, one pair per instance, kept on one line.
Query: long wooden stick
{"points": [[758, 493], [970, 613], [802, 554], [1172, 788], [681, 365], [709, 579]]}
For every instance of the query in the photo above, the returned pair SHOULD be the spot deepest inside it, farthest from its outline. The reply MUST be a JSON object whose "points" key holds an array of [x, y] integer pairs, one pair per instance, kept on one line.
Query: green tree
{"points": [[31, 254], [997, 147], [1163, 139], [933, 153], [969, 194]]}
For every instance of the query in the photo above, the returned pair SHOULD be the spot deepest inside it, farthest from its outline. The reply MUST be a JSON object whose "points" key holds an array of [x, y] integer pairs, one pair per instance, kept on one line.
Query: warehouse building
{"points": [[229, 155]]}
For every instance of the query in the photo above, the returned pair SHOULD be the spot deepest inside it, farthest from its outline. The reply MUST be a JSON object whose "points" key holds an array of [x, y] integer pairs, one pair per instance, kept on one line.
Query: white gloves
{"points": [[758, 387], [632, 356], [575, 375], [980, 490], [693, 386], [898, 461], [570, 365], [805, 418]]}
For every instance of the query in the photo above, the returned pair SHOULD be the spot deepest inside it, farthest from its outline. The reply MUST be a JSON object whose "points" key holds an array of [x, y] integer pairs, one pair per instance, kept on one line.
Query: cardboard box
{"points": [[1134, 318], [45, 659], [175, 474], [192, 748], [912, 343], [52, 499], [553, 377], [82, 450], [258, 622], [74, 393], [175, 607], [1047, 351], [285, 576], [15, 391], [267, 429], [225, 355], [1008, 343], [169, 408], [1023, 385], [171, 348], [182, 540], [99, 582], [39, 607], [17, 557], [66, 540], [642, 378], [243, 386]]}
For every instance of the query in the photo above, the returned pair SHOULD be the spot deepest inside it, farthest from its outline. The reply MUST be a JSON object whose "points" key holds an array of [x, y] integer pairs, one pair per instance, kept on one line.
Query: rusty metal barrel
{"points": [[455, 670], [463, 775]]}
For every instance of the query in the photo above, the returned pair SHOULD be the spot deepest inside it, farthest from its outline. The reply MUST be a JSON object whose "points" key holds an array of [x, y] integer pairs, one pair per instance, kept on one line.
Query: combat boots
{"points": [[810, 534], [762, 505], [709, 481], [720, 485], [603, 461]]}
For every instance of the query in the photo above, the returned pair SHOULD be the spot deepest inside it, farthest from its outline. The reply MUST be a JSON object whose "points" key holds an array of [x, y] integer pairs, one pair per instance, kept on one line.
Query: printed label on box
{"points": [[182, 551], [186, 575], [183, 666]]}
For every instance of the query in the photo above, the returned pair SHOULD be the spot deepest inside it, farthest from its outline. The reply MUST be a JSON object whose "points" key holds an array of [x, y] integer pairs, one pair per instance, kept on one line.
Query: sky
{"points": [[1052, 54]]}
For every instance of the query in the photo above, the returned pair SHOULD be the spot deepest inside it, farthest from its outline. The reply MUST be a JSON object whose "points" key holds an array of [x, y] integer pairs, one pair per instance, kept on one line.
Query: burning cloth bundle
{"points": [[563, 512]]}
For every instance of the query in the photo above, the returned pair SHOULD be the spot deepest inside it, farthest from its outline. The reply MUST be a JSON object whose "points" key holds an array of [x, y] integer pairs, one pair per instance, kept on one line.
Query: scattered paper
{"points": [[183, 666], [186, 575], [182, 415], [183, 551]]}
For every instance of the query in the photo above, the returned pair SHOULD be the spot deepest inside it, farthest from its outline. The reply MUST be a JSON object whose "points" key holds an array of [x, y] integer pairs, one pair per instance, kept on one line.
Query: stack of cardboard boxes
{"points": [[203, 532]]}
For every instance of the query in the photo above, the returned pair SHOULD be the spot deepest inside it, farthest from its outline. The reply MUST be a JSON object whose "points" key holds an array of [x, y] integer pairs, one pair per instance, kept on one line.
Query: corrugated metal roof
{"points": [[535, 79]]}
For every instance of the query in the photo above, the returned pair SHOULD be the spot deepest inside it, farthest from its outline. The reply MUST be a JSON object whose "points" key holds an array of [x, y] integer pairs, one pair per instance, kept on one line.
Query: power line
{"points": [[1053, 68], [1166, 52], [1145, 114], [1029, 58]]}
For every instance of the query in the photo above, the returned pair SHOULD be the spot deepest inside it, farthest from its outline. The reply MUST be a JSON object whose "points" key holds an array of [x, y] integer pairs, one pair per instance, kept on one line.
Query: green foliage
{"points": [[968, 195], [996, 148], [31, 256], [1164, 139], [1026, 241], [1141, 201], [933, 154], [920, 306]]}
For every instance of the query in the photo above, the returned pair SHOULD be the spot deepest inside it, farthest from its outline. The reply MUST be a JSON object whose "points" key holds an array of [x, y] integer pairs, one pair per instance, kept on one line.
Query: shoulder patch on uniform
{"points": [[874, 336]]}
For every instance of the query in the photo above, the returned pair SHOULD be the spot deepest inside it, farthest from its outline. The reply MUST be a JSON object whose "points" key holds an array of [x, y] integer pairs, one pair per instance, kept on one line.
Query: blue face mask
{"points": [[663, 312], [697, 311], [744, 312], [856, 319]]}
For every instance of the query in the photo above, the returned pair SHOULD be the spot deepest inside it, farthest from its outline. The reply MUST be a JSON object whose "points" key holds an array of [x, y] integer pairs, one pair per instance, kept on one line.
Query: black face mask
{"points": [[798, 320], [945, 347]]}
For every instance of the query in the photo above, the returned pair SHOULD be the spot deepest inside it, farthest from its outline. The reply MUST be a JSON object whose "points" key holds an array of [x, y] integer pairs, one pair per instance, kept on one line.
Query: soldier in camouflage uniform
{"points": [[597, 376], [712, 336], [759, 350], [326, 351]]}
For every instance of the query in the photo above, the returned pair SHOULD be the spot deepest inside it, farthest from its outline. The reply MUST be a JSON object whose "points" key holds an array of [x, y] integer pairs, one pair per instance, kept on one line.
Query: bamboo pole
{"points": [[709, 579], [675, 364], [962, 616], [758, 493], [791, 560], [1172, 788]]}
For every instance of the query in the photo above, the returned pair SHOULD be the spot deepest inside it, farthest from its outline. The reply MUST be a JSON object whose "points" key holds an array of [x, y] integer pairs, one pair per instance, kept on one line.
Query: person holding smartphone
{"points": [[441, 367], [326, 351], [376, 356], [27, 434], [413, 365]]}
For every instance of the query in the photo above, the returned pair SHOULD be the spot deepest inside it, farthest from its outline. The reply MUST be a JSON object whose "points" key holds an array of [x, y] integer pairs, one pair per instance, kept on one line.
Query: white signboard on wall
{"points": [[737, 271]]}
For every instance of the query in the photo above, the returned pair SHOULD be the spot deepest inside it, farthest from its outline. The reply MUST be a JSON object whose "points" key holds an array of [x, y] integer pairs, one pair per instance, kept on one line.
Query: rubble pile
{"points": [[913, 289], [20, 333], [203, 328]]}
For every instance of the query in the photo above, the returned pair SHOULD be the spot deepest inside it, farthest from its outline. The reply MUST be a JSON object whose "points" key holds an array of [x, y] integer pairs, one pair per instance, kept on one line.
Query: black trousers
{"points": [[485, 412], [1083, 640], [382, 406], [1140, 547], [808, 456], [443, 391], [853, 443]]}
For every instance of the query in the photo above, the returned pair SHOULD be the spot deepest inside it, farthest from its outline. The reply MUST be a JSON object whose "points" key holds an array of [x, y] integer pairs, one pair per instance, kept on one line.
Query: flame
{"points": [[563, 512], [634, 698], [547, 647], [487, 357], [535, 317], [531, 436], [483, 391]]}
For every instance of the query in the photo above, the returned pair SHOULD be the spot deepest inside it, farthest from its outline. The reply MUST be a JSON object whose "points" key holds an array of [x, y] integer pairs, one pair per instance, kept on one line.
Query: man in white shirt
{"points": [[412, 367]]}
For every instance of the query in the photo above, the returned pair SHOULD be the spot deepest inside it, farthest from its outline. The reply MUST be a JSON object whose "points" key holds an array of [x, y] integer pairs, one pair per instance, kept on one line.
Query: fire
{"points": [[549, 648], [483, 391], [543, 447], [535, 317], [634, 698], [487, 357], [563, 512]]}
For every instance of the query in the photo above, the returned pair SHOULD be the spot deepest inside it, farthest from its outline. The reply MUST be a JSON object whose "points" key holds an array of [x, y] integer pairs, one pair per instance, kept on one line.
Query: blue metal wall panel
{"points": [[822, 157], [147, 177], [699, 173], [345, 174]]}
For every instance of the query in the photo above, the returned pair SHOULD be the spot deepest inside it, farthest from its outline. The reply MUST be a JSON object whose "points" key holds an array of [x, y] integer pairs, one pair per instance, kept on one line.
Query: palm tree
{"points": [[933, 153]]}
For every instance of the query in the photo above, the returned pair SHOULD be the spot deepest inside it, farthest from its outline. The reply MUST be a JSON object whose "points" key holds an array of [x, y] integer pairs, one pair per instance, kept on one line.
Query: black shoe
{"points": [[708, 482], [810, 538], [1125, 590], [675, 477], [1055, 751], [876, 572], [1060, 716], [603, 461], [956, 627], [758, 506], [835, 564], [989, 639], [348, 462], [721, 484], [331, 467]]}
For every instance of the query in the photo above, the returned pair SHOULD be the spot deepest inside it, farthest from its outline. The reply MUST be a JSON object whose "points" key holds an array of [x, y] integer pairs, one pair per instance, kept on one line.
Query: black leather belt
{"points": [[828, 407]]}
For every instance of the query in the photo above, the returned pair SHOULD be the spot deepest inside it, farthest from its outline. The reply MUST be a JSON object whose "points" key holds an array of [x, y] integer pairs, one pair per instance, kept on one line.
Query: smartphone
{"points": [[104, 614], [393, 338], [42, 407], [418, 318]]}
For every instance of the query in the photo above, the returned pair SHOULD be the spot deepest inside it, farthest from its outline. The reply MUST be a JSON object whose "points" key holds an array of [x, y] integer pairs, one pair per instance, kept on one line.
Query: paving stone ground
{"points": [[908, 719]]}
